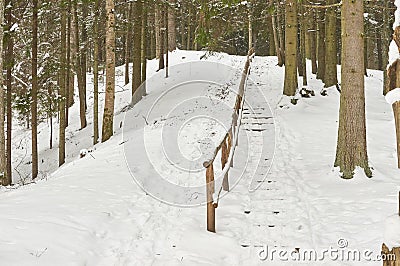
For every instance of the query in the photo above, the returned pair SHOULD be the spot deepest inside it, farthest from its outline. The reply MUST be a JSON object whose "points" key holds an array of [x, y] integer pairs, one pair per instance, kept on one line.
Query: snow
{"points": [[393, 96], [100, 210]]}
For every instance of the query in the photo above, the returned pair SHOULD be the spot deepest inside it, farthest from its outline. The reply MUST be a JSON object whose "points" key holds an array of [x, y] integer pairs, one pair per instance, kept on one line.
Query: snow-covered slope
{"points": [[92, 212]]}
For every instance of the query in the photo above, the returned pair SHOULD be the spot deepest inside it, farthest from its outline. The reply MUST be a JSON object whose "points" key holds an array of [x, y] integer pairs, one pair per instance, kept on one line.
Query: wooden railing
{"points": [[227, 148]]}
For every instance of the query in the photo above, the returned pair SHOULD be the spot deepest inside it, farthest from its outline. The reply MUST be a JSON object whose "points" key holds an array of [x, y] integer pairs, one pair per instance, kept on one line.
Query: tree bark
{"points": [[157, 27], [9, 67], [313, 42], [321, 45], [61, 105], [171, 26], [79, 71], [144, 47], [352, 144], [330, 77], [137, 45], [128, 43], [291, 82], [96, 74], [3, 173], [34, 88], [108, 115], [278, 50]]}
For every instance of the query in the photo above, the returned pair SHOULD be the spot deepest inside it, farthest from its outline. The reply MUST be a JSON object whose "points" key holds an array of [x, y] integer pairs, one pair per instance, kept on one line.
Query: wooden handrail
{"points": [[227, 147]]}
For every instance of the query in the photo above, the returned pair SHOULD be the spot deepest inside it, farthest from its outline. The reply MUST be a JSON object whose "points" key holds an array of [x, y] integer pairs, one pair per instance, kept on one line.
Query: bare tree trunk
{"points": [[352, 144], [67, 90], [291, 84], [10, 63], [157, 27], [3, 173], [108, 116], [166, 40], [171, 26], [189, 29], [61, 105], [303, 28], [276, 39], [330, 76], [96, 74], [137, 45], [321, 44], [128, 43], [313, 42], [34, 89], [250, 28], [144, 46], [79, 71], [161, 64]]}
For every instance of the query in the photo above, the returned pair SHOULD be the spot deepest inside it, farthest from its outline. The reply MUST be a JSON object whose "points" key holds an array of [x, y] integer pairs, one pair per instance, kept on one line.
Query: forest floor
{"points": [[285, 193]]}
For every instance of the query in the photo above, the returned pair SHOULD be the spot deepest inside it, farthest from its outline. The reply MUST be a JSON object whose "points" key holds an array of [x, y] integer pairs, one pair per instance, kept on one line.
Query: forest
{"points": [[199, 132]]}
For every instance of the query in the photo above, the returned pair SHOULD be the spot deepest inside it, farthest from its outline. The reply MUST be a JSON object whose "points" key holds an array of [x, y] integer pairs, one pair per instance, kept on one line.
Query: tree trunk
{"points": [[67, 90], [157, 27], [10, 64], [34, 88], [61, 105], [321, 45], [171, 26], [161, 64], [144, 47], [313, 42], [96, 74], [352, 144], [79, 71], [108, 115], [330, 77], [137, 45], [128, 43], [303, 29], [3, 173], [291, 84], [278, 50], [189, 29]]}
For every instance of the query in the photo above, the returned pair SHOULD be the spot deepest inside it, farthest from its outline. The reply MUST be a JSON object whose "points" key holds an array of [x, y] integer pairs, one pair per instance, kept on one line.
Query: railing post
{"points": [[209, 193], [224, 160], [230, 144]]}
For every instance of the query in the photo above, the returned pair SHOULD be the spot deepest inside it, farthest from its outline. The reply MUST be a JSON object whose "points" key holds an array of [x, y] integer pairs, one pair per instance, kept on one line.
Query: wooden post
{"points": [[394, 82], [396, 113], [209, 193], [224, 160], [230, 144]]}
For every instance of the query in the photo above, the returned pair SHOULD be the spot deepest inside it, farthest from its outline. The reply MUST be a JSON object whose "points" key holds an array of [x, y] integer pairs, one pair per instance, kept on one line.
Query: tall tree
{"points": [[291, 82], [321, 43], [171, 26], [80, 69], [330, 77], [10, 64], [352, 144], [137, 45], [34, 88], [61, 92], [128, 42], [96, 74], [3, 173], [108, 115]]}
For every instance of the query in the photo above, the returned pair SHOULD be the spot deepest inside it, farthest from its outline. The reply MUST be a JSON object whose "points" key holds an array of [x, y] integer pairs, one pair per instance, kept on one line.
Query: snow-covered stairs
{"points": [[274, 213]]}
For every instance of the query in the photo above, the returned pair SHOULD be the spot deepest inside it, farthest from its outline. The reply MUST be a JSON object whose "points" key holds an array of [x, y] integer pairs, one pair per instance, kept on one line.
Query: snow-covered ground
{"points": [[92, 211]]}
